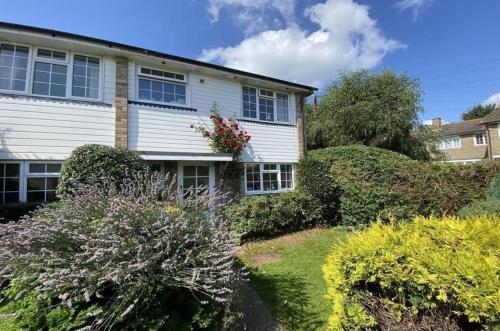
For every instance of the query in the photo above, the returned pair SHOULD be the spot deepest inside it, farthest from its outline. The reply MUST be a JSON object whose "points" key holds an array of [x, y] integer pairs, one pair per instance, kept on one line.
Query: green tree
{"points": [[478, 111], [379, 109]]}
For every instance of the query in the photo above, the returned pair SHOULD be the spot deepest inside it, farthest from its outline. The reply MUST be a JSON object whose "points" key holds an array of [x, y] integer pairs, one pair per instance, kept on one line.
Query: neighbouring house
{"points": [[59, 91], [471, 141]]}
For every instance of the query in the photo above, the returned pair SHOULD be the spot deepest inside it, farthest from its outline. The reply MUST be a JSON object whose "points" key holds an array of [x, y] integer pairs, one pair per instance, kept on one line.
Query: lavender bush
{"points": [[122, 249]]}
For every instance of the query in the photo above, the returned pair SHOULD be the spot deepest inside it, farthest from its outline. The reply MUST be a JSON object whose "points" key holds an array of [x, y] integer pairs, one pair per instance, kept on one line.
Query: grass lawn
{"points": [[286, 273]]}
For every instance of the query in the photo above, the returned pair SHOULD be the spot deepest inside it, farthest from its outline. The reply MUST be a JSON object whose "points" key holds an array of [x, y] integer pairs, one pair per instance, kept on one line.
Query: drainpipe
{"points": [[488, 140]]}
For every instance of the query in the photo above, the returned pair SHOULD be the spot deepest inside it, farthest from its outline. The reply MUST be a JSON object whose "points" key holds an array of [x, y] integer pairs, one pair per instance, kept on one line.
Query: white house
{"points": [[59, 91]]}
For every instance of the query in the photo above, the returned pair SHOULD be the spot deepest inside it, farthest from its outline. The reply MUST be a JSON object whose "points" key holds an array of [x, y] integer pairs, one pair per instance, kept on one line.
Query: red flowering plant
{"points": [[226, 136]]}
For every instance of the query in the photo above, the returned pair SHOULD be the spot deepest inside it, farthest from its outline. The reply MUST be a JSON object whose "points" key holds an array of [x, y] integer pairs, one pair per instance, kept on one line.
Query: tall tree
{"points": [[478, 111], [380, 109]]}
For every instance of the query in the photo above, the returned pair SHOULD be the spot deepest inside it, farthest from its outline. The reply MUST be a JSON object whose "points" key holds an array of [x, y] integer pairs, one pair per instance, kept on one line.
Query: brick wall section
{"points": [[300, 122], [121, 102], [468, 151]]}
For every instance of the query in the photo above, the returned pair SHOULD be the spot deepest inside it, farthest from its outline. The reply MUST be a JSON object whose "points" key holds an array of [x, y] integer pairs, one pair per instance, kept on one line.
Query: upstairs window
{"points": [[249, 102], [480, 139], [162, 86], [272, 106], [85, 77], [450, 142], [50, 73], [13, 67], [282, 107]]}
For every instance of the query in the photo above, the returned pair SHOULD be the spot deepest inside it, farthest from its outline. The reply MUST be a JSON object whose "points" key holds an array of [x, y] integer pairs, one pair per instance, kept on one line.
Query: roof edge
{"points": [[145, 51]]}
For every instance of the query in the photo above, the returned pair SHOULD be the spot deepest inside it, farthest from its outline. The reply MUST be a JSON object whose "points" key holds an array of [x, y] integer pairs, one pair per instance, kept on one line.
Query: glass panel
{"points": [[2, 166], [50, 196], [58, 90], [189, 182], [36, 184], [190, 171], [249, 102], [203, 170], [36, 196], [270, 166], [52, 183], [54, 167], [266, 109], [12, 184], [203, 181], [11, 170], [13, 67], [41, 88], [11, 197], [37, 167], [45, 53], [86, 77], [270, 181]]}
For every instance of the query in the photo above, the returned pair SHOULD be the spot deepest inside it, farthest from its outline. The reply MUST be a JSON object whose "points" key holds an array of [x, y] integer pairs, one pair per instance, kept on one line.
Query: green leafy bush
{"points": [[427, 274], [272, 214], [14, 211], [357, 184], [91, 163], [131, 257], [480, 208], [494, 191]]}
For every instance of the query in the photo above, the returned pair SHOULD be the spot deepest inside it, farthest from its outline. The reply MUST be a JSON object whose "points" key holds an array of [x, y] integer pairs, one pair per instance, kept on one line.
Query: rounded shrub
{"points": [[357, 184], [127, 258], [427, 274], [91, 163], [268, 215]]}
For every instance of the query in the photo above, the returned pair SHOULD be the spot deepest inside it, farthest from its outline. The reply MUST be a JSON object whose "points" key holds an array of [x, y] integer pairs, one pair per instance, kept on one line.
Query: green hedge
{"points": [[357, 184], [272, 214], [14, 211], [91, 163], [427, 274], [480, 208], [494, 191]]}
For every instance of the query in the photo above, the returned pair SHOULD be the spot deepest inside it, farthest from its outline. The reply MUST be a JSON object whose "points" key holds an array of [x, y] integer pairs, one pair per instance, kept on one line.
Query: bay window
{"points": [[272, 106], [162, 86], [268, 177]]}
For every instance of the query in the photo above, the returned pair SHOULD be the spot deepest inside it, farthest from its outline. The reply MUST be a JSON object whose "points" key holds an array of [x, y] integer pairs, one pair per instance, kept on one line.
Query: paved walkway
{"points": [[257, 316]]}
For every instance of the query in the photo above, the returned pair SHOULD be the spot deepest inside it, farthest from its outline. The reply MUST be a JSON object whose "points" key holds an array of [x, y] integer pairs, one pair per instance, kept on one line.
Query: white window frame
{"points": [[498, 128], [185, 82], [483, 135], [275, 102], [262, 171], [100, 93], [22, 190], [70, 55], [442, 143], [27, 174], [27, 86], [51, 61]]}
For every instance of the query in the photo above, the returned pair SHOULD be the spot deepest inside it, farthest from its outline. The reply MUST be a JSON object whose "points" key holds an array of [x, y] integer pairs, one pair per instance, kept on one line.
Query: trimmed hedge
{"points": [[91, 163], [427, 274], [480, 208], [494, 191], [273, 214], [14, 211], [357, 184]]}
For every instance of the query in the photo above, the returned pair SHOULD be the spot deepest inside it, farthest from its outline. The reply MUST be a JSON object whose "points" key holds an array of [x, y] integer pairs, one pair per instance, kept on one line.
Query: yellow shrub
{"points": [[423, 265]]}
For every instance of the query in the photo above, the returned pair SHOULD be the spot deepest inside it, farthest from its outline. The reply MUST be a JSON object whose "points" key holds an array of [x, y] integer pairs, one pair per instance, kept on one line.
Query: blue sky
{"points": [[452, 46]]}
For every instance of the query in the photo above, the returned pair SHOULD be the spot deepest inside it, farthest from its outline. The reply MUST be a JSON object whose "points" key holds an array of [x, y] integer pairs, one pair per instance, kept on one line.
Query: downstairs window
{"points": [[268, 177]]}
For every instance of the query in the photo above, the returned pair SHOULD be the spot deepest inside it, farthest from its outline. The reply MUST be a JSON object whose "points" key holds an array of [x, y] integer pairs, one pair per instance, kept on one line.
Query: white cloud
{"points": [[414, 5], [255, 15], [495, 98], [346, 38]]}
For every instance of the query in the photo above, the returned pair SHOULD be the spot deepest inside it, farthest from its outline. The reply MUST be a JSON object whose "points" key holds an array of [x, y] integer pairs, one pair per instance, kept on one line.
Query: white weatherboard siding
{"points": [[50, 130], [168, 130]]}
